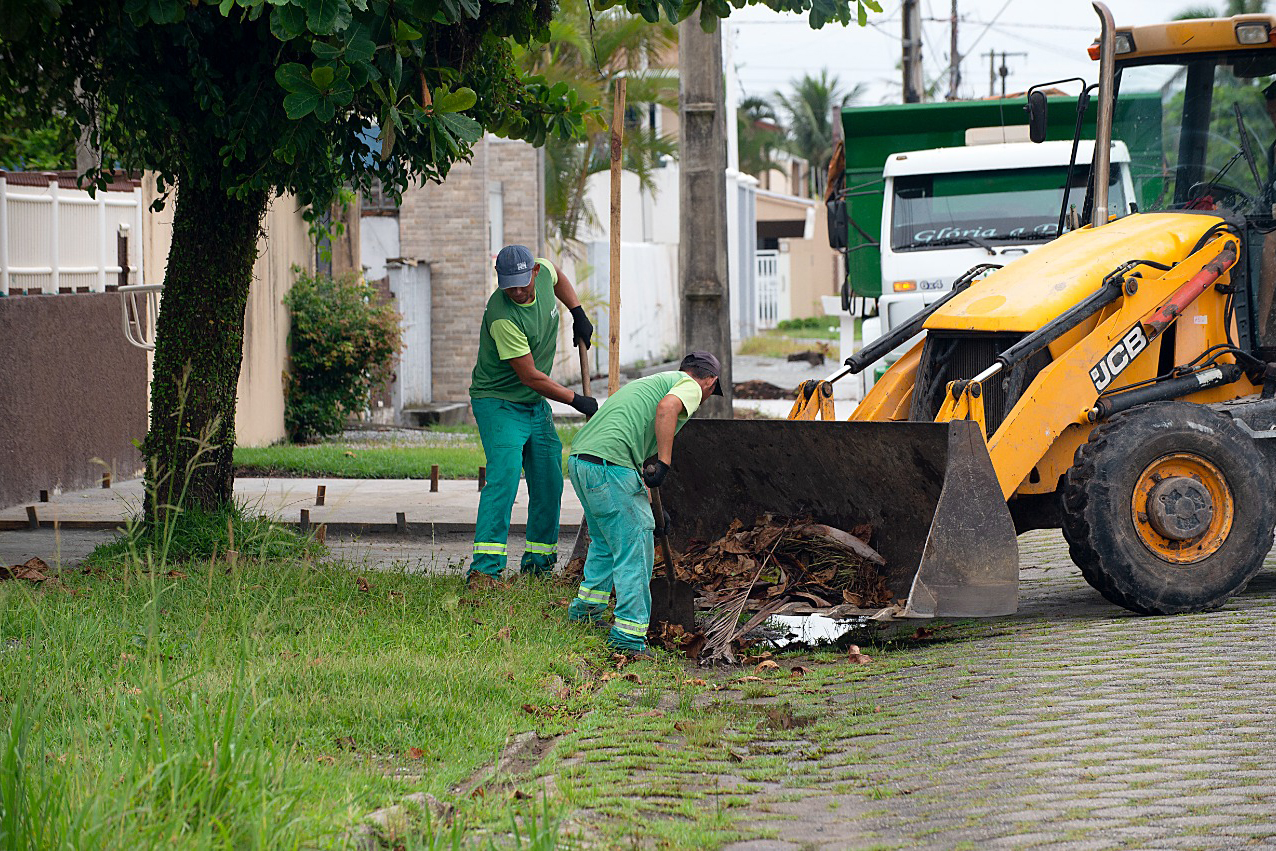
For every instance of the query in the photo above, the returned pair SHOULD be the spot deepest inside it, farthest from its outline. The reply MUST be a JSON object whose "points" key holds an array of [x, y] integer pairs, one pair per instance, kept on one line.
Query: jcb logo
{"points": [[1115, 361]]}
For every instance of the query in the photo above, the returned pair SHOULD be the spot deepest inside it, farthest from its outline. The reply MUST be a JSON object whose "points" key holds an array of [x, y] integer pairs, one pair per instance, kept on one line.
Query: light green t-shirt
{"points": [[511, 330], [624, 429]]}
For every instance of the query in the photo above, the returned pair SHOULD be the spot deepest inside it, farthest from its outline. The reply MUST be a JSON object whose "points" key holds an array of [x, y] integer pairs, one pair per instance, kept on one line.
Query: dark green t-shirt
{"points": [[511, 330], [624, 429]]}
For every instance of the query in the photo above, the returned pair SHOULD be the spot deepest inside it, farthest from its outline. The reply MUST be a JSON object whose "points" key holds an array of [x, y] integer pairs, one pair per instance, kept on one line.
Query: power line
{"points": [[987, 26]]}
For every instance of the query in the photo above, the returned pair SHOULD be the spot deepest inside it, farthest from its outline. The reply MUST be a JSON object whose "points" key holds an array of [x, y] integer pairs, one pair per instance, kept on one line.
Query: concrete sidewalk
{"points": [[351, 506]]}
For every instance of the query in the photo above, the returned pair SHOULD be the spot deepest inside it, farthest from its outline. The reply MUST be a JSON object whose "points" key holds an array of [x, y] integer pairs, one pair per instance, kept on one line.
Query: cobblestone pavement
{"points": [[1071, 725]]}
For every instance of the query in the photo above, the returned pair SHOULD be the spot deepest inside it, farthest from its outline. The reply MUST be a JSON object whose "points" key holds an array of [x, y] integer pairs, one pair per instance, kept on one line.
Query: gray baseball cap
{"points": [[514, 266], [707, 362]]}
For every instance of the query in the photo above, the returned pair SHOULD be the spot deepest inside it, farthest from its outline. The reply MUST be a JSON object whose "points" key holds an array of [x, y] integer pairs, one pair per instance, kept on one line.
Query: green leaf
{"points": [[405, 32], [322, 77], [360, 48], [327, 16], [294, 77], [324, 109], [461, 127], [325, 51], [457, 101], [300, 104], [287, 22], [225, 7]]}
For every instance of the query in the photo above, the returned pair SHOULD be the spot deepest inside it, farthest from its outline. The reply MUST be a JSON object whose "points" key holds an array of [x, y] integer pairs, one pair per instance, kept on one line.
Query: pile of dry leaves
{"points": [[808, 565], [775, 567], [34, 570]]}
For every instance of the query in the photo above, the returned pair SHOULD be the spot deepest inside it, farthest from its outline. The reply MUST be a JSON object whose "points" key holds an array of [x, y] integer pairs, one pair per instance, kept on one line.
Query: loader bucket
{"points": [[927, 489]]}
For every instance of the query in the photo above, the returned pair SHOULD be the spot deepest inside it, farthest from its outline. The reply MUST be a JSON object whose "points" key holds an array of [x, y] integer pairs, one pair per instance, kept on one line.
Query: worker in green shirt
{"points": [[637, 422], [508, 393]]}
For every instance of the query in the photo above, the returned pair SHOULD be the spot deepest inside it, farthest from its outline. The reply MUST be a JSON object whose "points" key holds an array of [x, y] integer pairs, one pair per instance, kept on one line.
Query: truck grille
{"points": [[949, 356]]}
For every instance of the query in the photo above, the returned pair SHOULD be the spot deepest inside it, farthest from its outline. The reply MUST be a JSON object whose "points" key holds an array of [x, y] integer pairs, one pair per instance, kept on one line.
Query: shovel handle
{"points": [[658, 510], [584, 366]]}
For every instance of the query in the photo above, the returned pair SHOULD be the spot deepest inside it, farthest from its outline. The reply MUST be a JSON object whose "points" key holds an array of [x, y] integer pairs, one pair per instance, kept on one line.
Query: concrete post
{"points": [[702, 247]]}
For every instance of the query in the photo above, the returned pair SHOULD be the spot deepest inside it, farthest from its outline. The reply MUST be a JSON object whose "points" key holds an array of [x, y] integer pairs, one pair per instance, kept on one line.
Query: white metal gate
{"points": [[410, 283], [55, 238], [767, 263]]}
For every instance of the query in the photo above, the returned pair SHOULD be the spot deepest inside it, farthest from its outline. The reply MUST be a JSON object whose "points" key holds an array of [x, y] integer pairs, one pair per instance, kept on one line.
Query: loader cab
{"points": [[1215, 137]]}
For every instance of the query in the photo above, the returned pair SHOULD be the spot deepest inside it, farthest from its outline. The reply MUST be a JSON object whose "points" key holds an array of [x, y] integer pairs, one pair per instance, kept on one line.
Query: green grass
{"points": [[266, 708], [459, 456]]}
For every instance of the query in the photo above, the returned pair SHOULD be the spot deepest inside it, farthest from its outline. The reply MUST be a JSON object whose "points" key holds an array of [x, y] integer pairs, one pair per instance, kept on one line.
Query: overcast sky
{"points": [[770, 49]]}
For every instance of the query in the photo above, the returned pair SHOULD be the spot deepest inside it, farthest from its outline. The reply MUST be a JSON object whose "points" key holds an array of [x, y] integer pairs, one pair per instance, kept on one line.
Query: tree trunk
{"points": [[199, 346]]}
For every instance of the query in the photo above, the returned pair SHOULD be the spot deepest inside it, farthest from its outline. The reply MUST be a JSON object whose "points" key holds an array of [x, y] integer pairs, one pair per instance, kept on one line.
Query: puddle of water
{"points": [[811, 629]]}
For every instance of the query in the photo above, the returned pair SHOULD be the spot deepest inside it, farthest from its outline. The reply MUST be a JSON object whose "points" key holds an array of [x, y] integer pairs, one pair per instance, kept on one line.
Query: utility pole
{"points": [[994, 71], [954, 58], [912, 41], [702, 188]]}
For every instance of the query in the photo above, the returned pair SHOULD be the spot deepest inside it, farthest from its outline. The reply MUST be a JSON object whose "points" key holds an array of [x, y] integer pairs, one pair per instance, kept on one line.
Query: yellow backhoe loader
{"points": [[1117, 383]]}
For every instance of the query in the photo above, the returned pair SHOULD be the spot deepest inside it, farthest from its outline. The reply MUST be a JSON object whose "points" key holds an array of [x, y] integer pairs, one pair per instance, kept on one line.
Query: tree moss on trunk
{"points": [[199, 346]]}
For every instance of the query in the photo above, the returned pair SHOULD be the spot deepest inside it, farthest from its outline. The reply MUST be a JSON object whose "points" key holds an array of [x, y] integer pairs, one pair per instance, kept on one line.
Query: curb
{"points": [[411, 530]]}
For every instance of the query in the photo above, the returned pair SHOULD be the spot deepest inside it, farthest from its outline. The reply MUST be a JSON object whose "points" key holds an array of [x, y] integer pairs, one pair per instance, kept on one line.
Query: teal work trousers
{"points": [[518, 437], [621, 550]]}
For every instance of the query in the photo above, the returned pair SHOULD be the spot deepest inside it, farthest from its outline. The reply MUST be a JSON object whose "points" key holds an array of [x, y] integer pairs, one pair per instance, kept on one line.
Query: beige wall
{"points": [[259, 412], [812, 269]]}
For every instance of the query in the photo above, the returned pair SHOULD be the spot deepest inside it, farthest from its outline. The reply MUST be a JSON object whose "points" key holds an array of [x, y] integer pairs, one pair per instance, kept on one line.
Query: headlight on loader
{"points": [[1255, 32]]}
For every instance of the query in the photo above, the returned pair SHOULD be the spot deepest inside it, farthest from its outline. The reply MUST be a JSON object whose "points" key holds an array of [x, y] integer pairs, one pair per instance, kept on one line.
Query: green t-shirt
{"points": [[511, 330], [624, 429]]}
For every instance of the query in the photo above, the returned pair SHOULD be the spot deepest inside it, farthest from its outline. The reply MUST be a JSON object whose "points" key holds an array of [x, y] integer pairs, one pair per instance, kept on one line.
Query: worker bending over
{"points": [[507, 393], [637, 421]]}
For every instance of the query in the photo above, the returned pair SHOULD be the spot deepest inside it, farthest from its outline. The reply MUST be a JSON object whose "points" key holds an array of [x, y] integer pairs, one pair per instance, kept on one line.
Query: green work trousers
{"points": [[516, 437], [622, 550]]}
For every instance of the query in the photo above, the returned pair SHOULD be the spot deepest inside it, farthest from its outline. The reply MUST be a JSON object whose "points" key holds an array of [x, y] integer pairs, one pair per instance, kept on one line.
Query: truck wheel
{"points": [[1168, 508]]}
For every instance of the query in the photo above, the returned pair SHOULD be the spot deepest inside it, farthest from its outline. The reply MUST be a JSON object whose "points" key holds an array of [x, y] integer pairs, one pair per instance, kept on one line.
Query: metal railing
{"points": [[140, 306]]}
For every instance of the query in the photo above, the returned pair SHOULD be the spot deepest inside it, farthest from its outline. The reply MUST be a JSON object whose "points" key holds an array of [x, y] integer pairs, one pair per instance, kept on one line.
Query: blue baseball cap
{"points": [[514, 266]]}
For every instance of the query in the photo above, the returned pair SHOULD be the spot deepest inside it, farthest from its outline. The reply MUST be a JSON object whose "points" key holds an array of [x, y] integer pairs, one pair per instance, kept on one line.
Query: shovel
{"points": [[581, 546], [672, 600]]}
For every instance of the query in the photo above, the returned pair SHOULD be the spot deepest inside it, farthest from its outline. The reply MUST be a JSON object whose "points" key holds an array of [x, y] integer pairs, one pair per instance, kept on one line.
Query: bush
{"points": [[809, 323], [344, 341]]}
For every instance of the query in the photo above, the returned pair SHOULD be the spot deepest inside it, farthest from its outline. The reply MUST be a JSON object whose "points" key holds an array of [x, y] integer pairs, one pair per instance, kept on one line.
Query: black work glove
{"points": [[587, 405], [666, 524], [654, 473], [582, 328]]}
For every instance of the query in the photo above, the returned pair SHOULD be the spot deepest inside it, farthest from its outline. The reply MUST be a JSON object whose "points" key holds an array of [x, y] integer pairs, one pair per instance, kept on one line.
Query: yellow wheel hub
{"points": [[1183, 509]]}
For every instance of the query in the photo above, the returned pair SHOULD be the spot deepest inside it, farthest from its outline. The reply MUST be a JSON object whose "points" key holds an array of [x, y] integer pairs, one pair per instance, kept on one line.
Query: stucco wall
{"points": [[259, 412], [813, 269], [72, 390]]}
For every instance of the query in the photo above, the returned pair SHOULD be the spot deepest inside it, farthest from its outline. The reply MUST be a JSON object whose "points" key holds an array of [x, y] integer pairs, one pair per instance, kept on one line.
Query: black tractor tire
{"points": [[1123, 554]]}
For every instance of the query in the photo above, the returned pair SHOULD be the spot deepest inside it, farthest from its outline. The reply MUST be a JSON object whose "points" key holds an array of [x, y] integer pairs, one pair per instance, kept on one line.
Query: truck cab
{"points": [[947, 210]]}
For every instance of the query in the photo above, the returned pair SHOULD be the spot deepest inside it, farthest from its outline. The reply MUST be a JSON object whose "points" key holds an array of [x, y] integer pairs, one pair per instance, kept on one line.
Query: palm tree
{"points": [[810, 112], [760, 135], [590, 56]]}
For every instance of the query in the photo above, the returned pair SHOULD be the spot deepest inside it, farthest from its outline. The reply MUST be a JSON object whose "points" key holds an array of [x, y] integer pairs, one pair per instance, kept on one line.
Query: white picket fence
{"points": [[57, 238]]}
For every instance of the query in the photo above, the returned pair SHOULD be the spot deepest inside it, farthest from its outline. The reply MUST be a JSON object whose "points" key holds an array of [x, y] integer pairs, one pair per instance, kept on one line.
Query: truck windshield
{"points": [[1182, 119], [999, 207]]}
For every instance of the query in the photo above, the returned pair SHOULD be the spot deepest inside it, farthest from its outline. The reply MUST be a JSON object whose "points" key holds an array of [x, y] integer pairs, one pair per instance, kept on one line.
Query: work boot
{"points": [[643, 654]]}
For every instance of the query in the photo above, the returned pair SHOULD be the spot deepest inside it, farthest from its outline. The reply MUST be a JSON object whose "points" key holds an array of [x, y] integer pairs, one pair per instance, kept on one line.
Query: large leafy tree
{"points": [[809, 108], [232, 102]]}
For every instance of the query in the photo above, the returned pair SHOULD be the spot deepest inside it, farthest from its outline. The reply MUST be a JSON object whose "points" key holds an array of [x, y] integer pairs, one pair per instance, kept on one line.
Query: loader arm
{"points": [[1064, 392]]}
